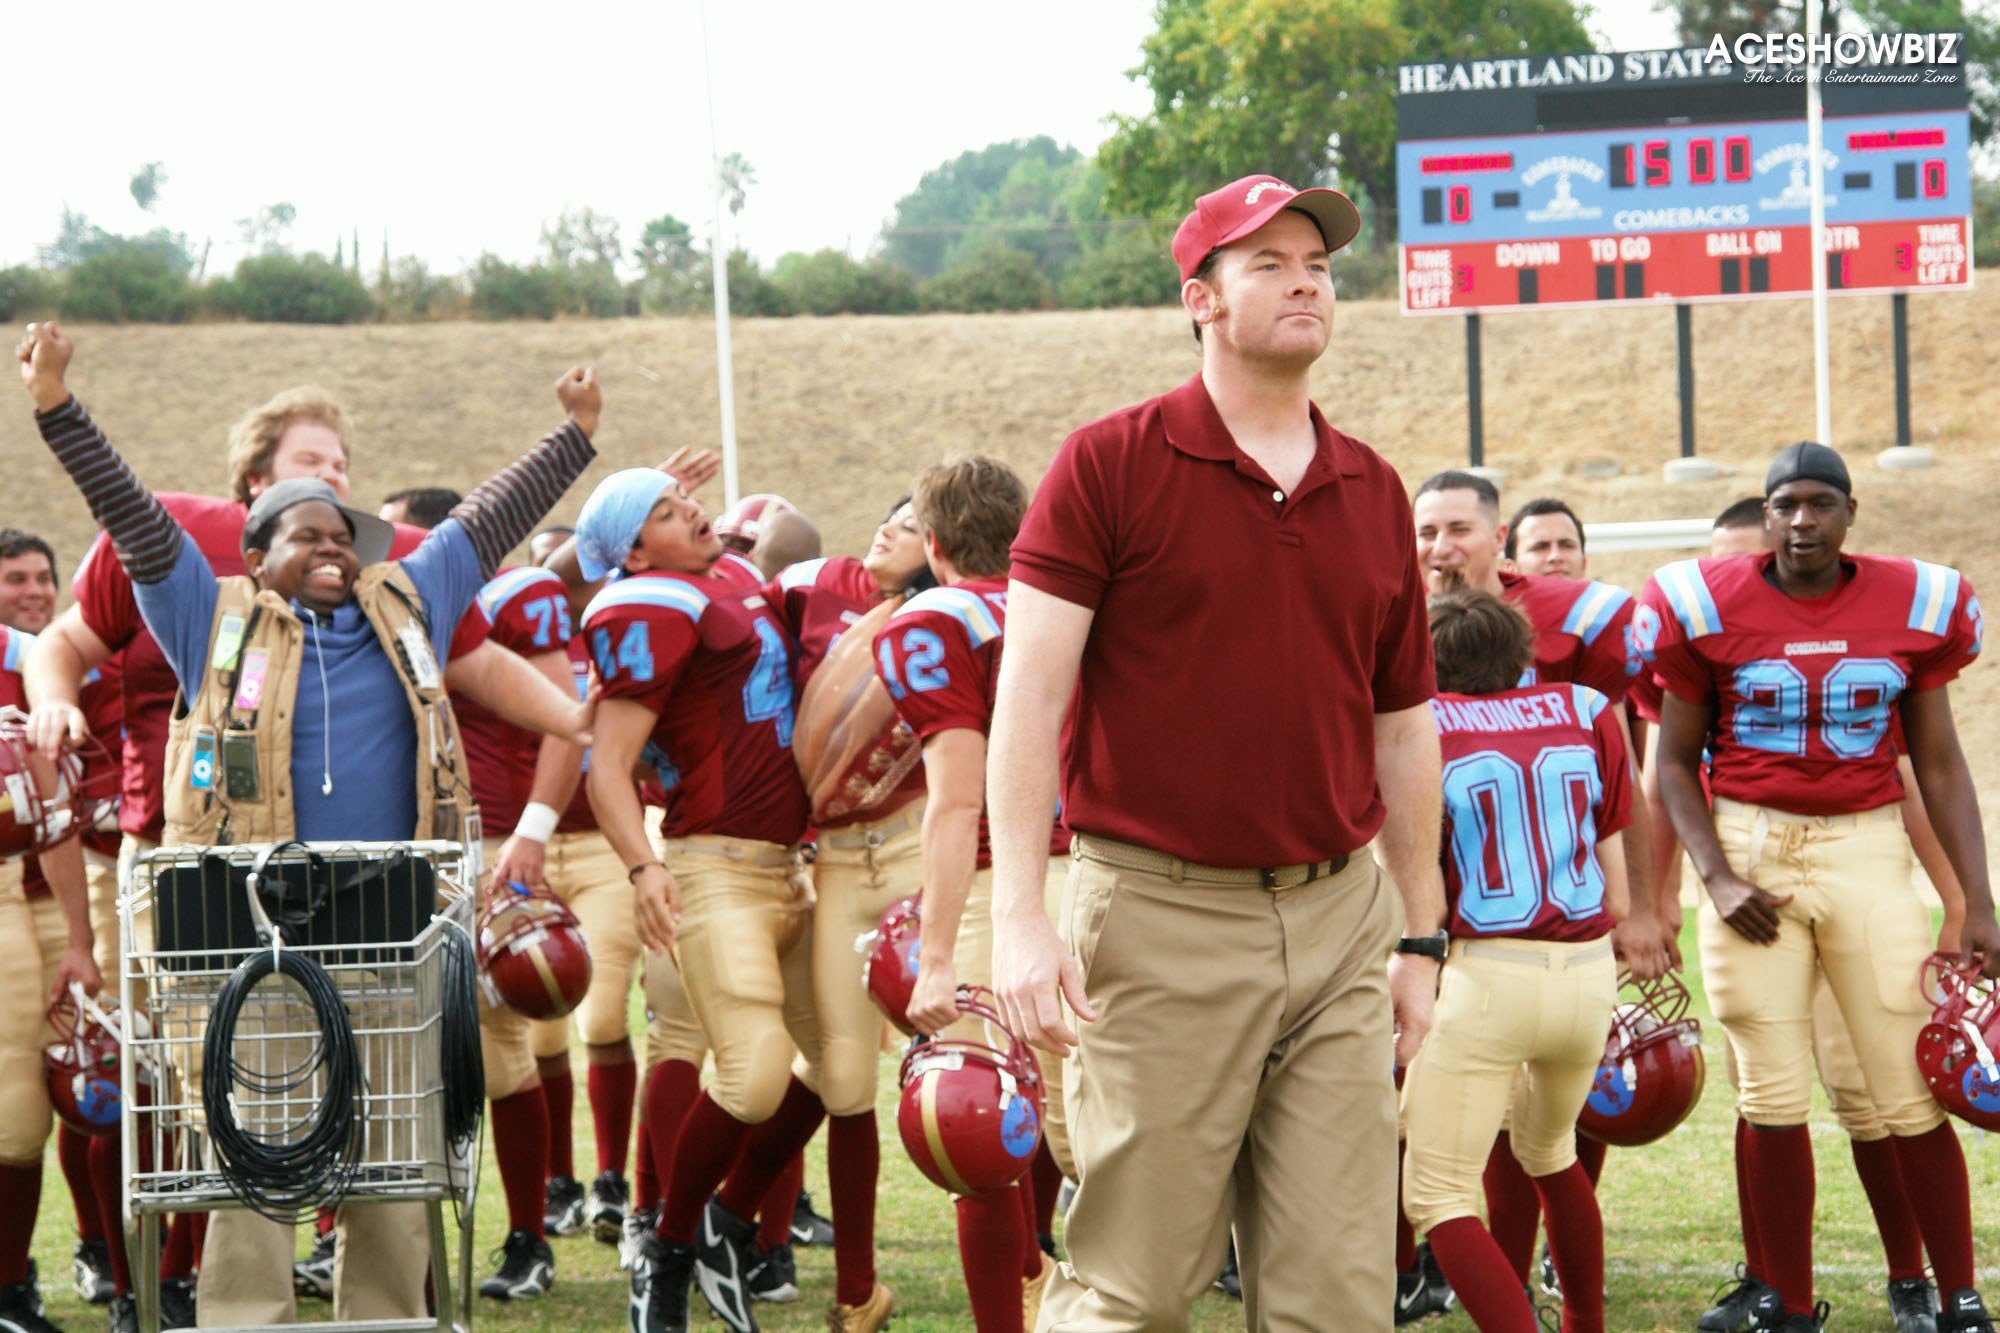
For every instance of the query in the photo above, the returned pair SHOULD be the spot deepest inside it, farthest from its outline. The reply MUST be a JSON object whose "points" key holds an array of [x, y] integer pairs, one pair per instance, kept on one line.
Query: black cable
{"points": [[284, 1178], [464, 1066]]}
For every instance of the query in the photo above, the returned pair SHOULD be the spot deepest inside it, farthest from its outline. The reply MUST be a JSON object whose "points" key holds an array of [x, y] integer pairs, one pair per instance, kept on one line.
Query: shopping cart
{"points": [[390, 924]]}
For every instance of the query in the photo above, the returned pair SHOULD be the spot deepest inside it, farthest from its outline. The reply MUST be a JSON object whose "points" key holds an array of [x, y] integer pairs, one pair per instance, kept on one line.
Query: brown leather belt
{"points": [[1131, 856]]}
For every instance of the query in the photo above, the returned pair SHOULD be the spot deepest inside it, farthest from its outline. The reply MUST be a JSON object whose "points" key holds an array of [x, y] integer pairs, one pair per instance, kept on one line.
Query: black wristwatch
{"points": [[1430, 946]]}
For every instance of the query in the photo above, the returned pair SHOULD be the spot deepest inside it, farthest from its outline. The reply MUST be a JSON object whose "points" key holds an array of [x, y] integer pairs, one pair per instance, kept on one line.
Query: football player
{"points": [[1791, 669], [1536, 786], [1546, 537], [939, 657], [697, 683]]}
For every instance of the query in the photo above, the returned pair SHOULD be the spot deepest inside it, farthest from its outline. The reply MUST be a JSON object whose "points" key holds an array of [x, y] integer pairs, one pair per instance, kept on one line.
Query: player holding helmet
{"points": [[1790, 668], [1536, 786]]}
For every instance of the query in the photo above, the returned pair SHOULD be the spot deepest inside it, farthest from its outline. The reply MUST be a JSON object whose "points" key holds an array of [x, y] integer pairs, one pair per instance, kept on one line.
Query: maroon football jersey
{"points": [[1534, 778], [715, 666], [939, 658], [1582, 631], [1803, 694], [525, 610], [818, 600]]}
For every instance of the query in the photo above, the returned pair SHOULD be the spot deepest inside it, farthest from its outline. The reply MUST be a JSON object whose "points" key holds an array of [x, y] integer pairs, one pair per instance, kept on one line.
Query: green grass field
{"points": [[1670, 1236]]}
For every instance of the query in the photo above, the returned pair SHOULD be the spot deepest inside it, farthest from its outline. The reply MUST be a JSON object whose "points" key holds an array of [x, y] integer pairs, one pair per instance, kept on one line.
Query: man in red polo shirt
{"points": [[1227, 586]]}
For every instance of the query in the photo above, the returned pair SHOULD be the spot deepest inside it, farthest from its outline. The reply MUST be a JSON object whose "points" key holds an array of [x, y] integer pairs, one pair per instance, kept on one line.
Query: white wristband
{"points": [[537, 822]]}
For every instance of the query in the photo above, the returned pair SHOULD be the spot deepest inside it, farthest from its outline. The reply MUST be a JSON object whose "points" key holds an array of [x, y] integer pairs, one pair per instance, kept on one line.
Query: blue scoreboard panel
{"points": [[1659, 176]]}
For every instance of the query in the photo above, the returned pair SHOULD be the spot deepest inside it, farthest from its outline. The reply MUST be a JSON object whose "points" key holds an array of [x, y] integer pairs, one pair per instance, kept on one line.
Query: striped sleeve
{"points": [[145, 535], [499, 514]]}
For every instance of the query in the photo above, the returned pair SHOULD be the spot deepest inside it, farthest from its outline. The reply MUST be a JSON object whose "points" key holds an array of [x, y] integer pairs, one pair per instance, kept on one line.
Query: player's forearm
{"points": [[1687, 811], [1409, 774], [62, 867], [615, 803], [500, 512], [1924, 842], [951, 852], [148, 540], [1948, 794], [508, 685], [54, 668], [1021, 796], [1636, 840]]}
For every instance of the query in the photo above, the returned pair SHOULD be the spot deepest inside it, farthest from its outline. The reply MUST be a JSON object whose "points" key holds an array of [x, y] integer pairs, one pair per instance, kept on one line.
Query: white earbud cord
{"points": [[326, 713]]}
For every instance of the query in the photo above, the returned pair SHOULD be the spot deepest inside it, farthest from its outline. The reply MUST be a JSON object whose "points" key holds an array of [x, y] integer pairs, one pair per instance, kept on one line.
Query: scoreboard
{"points": [[1663, 177]]}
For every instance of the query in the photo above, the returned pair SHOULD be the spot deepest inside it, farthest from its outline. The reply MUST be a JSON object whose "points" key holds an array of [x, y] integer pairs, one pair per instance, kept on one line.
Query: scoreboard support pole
{"points": [[1900, 304], [1684, 352], [1902, 456], [1474, 407]]}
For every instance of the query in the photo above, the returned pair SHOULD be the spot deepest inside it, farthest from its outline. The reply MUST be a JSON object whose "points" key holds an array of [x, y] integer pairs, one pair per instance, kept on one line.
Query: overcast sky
{"points": [[460, 129]]}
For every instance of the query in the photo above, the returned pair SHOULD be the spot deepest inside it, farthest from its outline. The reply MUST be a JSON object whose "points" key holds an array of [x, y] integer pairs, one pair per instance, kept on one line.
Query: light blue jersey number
{"points": [[1496, 834], [767, 695]]}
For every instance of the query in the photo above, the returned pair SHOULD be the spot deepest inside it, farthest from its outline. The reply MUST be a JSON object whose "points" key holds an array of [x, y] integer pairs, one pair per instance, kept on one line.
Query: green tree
{"points": [[130, 280], [25, 291], [829, 282], [293, 289], [502, 291], [1133, 268], [1981, 25], [1302, 89], [1985, 222], [996, 278], [147, 182], [268, 231], [929, 220]]}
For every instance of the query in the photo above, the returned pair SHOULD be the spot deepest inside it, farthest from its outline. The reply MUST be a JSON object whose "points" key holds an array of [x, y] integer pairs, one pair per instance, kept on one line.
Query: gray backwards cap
{"points": [[372, 536], [1806, 461]]}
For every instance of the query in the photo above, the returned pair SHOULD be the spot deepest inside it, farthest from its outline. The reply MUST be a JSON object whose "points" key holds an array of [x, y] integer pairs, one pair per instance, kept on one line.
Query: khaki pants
{"points": [[1239, 1070], [972, 964], [861, 869], [1839, 1067], [745, 955], [36, 936], [1854, 917], [1507, 1009], [584, 871], [101, 873], [382, 1253]]}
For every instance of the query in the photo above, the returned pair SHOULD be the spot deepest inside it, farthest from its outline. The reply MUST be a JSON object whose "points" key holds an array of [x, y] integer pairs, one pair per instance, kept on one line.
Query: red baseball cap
{"points": [[1240, 207]]}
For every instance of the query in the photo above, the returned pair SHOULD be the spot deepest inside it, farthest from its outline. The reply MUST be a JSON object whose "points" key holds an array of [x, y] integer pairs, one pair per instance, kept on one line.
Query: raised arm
{"points": [[501, 512], [148, 539]]}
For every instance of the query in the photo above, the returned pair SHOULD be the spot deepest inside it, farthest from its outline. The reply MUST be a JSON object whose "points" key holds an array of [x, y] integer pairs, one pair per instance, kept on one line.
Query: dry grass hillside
{"points": [[839, 413]]}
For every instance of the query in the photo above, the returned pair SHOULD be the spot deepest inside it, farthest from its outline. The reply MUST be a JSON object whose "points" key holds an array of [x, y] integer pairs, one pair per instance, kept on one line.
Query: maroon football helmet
{"points": [[890, 968], [1652, 1073], [33, 818], [81, 1065], [532, 953], [1955, 1049], [971, 1111], [742, 523]]}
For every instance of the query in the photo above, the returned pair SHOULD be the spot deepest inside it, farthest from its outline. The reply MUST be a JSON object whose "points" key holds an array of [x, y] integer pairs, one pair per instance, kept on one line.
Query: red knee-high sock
{"points": [[73, 1151], [1513, 1209], [20, 1200], [1576, 1245], [769, 1149], [198, 1231], [989, 1250], [1746, 1201], [774, 1210], [1934, 1170], [107, 1178], [1779, 1163], [1881, 1172], [1591, 1153], [707, 1147], [612, 1090], [1406, 1235], [671, 1089], [1031, 1252], [645, 1180], [521, 1150], [324, 1223], [1048, 1178], [559, 1096], [179, 1254], [853, 1163], [1481, 1276]]}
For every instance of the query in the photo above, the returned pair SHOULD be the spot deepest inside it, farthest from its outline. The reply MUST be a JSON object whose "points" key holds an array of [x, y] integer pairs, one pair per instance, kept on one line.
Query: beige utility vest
{"points": [[204, 814]]}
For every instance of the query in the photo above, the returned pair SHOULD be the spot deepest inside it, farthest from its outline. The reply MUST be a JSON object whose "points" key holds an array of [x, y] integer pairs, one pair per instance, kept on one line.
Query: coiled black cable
{"points": [[464, 1066], [286, 1178]]}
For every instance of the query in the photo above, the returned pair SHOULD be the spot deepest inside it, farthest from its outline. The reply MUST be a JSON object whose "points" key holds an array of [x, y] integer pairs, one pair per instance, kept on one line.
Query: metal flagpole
{"points": [[719, 258], [1822, 401]]}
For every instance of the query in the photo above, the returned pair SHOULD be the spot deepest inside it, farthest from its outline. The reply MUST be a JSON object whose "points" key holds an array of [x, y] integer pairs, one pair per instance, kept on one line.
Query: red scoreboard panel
{"points": [[1661, 177]]}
